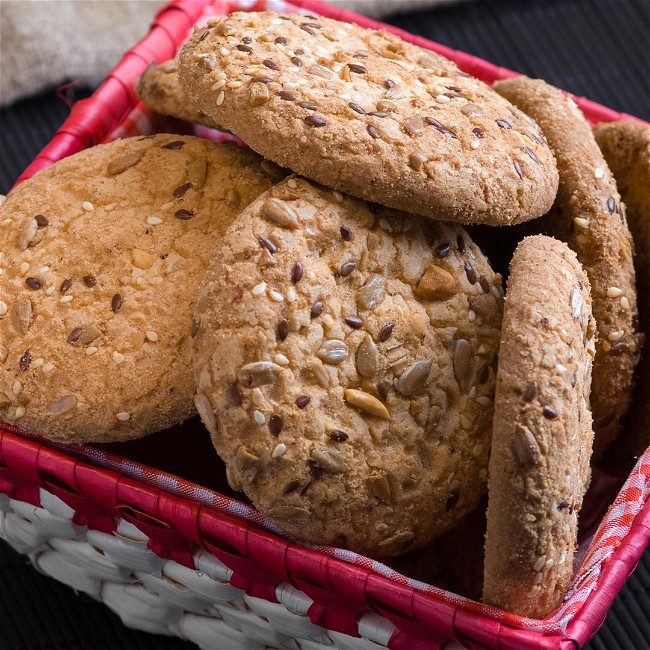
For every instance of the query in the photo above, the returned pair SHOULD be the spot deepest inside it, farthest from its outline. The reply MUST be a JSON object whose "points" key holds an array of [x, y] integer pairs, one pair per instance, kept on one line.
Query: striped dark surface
{"points": [[596, 48]]}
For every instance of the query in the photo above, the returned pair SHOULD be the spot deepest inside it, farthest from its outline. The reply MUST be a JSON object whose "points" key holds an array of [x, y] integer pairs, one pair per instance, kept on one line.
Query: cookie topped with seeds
{"points": [[589, 216], [542, 435], [366, 113], [345, 366], [102, 258]]}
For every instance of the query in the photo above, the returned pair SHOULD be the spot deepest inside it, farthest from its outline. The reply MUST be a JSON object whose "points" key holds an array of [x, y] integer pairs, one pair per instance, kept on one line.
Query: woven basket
{"points": [[172, 557]]}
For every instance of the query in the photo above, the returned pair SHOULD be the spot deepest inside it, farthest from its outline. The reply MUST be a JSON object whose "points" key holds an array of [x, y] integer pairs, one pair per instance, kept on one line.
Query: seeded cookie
{"points": [[159, 90], [589, 216], [103, 255], [626, 147], [347, 352], [542, 436], [366, 113]]}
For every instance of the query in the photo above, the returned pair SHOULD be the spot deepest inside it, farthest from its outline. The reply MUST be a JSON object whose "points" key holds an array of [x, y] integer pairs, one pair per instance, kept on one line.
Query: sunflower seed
{"points": [[367, 358], [259, 373], [62, 404], [525, 447], [280, 212], [26, 232], [328, 460], [123, 163], [333, 351], [197, 172], [21, 315], [414, 377], [462, 355], [371, 293]]}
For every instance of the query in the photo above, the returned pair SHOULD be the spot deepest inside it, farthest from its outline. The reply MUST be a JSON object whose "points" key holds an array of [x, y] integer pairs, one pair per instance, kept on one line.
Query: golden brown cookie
{"points": [[542, 436], [159, 90], [589, 216], [363, 112], [102, 258], [626, 147], [344, 361]]}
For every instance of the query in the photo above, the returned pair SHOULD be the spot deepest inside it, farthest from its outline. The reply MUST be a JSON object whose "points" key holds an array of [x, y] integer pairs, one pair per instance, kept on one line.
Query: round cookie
{"points": [[102, 258], [542, 436], [589, 216], [344, 365], [366, 113], [159, 90]]}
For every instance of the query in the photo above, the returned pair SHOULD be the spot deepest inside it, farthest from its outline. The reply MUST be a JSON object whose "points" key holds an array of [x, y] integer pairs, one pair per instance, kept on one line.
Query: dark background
{"points": [[596, 48]]}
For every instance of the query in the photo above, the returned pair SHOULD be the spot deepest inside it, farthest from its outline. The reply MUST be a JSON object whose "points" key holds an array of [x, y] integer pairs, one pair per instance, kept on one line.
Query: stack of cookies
{"points": [[318, 301]]}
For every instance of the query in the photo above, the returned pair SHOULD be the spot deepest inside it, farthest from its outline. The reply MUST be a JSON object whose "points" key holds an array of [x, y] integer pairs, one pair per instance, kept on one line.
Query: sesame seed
{"points": [[259, 289], [87, 206], [118, 357], [279, 450], [625, 303], [220, 77], [154, 221], [615, 336], [259, 418], [48, 367], [91, 350], [224, 51], [219, 85], [442, 99], [471, 315], [17, 387], [581, 223], [292, 183], [66, 299], [3, 308], [338, 196], [220, 98], [44, 269], [606, 346], [151, 336], [234, 84], [123, 416], [598, 172], [166, 206], [614, 292], [24, 267], [291, 294], [281, 360], [37, 363], [20, 411], [474, 144], [276, 296], [560, 368]]}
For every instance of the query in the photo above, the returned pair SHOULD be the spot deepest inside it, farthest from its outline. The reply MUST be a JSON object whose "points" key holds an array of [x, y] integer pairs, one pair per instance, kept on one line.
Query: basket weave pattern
{"points": [[171, 557]]}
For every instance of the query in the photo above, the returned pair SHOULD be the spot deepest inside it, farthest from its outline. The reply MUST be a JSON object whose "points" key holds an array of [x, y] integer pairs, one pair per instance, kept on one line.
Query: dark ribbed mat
{"points": [[596, 48]]}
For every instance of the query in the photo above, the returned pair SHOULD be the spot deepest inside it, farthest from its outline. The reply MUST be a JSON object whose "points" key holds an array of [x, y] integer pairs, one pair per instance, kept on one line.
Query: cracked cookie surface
{"points": [[103, 253], [366, 113], [542, 435], [344, 357]]}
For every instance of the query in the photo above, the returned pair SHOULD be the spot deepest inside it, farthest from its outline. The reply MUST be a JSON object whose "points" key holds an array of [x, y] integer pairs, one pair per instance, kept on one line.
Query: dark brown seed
{"points": [[25, 360], [297, 61], [275, 425], [470, 273], [549, 413], [181, 189], [302, 401], [618, 347], [382, 389], [478, 133], [485, 284], [282, 330], [314, 120], [66, 284], [308, 30], [116, 303], [385, 332], [373, 131], [89, 280], [338, 436], [347, 268], [482, 375], [271, 65], [245, 48], [296, 273], [41, 221], [300, 51], [503, 124], [176, 144], [196, 324], [291, 486], [389, 83], [281, 40], [530, 392], [456, 89], [247, 39], [443, 249], [184, 215], [354, 322], [314, 25], [574, 379], [562, 505], [346, 233], [518, 169], [452, 500], [204, 35], [443, 129], [310, 106], [287, 95], [234, 396], [239, 294], [611, 206], [261, 80], [34, 283], [316, 309], [460, 244], [531, 154], [268, 244], [74, 335], [357, 67], [356, 108], [378, 113]]}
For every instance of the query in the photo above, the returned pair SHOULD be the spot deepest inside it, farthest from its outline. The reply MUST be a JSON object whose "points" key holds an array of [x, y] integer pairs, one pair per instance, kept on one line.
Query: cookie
{"points": [[626, 147], [102, 258], [159, 90], [365, 113], [344, 361], [542, 436], [589, 216]]}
